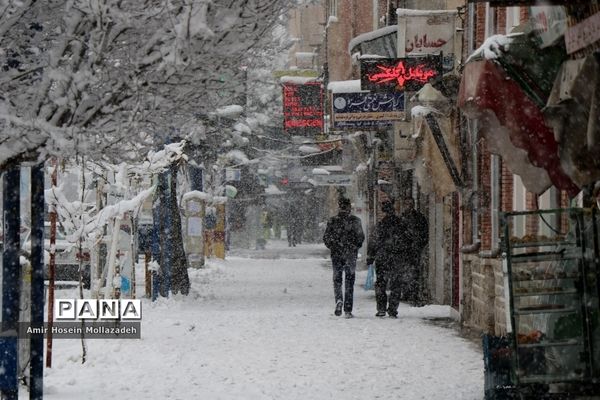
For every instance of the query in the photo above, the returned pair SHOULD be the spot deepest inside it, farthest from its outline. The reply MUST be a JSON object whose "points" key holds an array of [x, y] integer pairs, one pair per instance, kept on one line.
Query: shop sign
{"points": [[303, 108], [395, 74], [362, 110], [426, 32], [583, 34], [233, 174], [333, 180]]}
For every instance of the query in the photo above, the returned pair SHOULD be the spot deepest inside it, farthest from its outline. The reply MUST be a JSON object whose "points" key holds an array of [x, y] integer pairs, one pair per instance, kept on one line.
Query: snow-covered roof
{"points": [[320, 171], [406, 12], [272, 189], [298, 80], [305, 55], [365, 37], [344, 86], [195, 195]]}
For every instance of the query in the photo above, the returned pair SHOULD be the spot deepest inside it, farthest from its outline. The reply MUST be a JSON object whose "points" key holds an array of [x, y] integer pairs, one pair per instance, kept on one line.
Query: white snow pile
{"points": [[320, 171], [306, 149], [297, 80], [195, 195], [242, 128], [231, 111], [344, 86], [157, 161], [272, 189], [492, 48], [237, 156], [422, 111], [361, 167]]}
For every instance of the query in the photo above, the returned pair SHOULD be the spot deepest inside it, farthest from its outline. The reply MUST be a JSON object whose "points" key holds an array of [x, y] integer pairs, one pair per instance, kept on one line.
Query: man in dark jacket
{"points": [[386, 249], [343, 237], [417, 237]]}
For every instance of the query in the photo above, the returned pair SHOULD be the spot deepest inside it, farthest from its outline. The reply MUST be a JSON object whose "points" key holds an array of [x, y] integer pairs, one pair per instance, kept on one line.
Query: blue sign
{"points": [[363, 109]]}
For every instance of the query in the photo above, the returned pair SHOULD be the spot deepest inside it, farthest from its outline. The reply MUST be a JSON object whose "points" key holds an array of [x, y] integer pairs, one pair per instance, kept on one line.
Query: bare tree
{"points": [[109, 78]]}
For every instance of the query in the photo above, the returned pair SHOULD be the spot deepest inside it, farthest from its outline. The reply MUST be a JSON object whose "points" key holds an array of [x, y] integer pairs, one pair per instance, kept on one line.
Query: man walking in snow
{"points": [[343, 237], [417, 236], [387, 248]]}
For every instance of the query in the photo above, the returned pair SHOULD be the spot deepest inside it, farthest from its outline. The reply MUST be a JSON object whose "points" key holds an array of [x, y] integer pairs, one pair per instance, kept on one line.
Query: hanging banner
{"points": [[303, 108], [398, 74], [364, 110], [426, 32]]}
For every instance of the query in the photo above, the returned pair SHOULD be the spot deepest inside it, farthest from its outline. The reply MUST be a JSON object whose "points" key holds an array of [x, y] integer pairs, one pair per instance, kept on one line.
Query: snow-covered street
{"points": [[264, 329]]}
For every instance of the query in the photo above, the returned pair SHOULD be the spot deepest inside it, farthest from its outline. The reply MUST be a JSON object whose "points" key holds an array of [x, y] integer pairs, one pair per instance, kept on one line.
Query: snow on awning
{"points": [[381, 42], [297, 80], [344, 86], [484, 89]]}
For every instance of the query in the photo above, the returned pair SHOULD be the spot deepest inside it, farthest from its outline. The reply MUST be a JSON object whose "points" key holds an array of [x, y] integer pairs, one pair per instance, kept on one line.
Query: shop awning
{"points": [[573, 112], [486, 91]]}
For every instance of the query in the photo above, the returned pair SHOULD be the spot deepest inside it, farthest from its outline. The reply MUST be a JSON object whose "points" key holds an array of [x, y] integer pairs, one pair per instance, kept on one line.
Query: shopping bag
{"points": [[370, 278]]}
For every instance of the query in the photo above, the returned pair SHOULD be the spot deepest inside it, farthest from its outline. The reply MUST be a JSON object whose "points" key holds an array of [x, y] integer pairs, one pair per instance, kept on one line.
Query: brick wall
{"points": [[532, 222], [501, 20], [507, 189], [485, 215], [480, 24]]}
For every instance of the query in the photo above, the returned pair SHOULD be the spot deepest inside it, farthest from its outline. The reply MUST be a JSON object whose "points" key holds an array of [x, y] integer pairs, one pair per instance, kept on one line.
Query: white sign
{"points": [[426, 32], [583, 34], [194, 225], [232, 174], [333, 180]]}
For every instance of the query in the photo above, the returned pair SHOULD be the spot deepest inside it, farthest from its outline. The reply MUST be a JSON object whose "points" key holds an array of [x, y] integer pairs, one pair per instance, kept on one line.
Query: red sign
{"points": [[398, 74], [303, 108]]}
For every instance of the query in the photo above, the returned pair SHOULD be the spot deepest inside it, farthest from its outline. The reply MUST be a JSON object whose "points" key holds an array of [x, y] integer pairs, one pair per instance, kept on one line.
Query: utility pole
{"points": [[51, 268], [11, 283], [36, 366]]}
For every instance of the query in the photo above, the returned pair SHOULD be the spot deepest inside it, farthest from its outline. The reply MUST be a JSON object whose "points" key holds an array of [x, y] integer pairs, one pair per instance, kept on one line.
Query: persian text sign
{"points": [[363, 110], [583, 34], [303, 108], [427, 32], [394, 74]]}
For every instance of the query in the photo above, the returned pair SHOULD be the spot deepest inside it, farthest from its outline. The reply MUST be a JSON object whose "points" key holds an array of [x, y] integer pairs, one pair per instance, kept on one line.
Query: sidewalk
{"points": [[262, 329]]}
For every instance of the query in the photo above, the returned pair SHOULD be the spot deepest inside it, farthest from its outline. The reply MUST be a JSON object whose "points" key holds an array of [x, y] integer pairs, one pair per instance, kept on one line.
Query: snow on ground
{"points": [[263, 328]]}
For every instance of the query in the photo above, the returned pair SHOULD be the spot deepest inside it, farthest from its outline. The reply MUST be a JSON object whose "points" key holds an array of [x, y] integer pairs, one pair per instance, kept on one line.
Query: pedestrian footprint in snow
{"points": [[343, 237]]}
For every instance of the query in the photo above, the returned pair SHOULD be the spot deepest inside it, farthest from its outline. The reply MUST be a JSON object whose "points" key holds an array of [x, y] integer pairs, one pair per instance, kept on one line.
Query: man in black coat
{"points": [[386, 249], [343, 237], [417, 237]]}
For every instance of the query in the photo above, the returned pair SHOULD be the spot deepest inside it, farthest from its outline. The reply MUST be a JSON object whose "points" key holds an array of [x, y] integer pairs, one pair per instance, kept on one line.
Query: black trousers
{"points": [[399, 277], [344, 270]]}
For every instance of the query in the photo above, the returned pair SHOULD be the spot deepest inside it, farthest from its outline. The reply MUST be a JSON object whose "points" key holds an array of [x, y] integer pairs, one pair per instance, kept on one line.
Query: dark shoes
{"points": [[338, 308], [380, 314], [348, 314], [393, 315]]}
